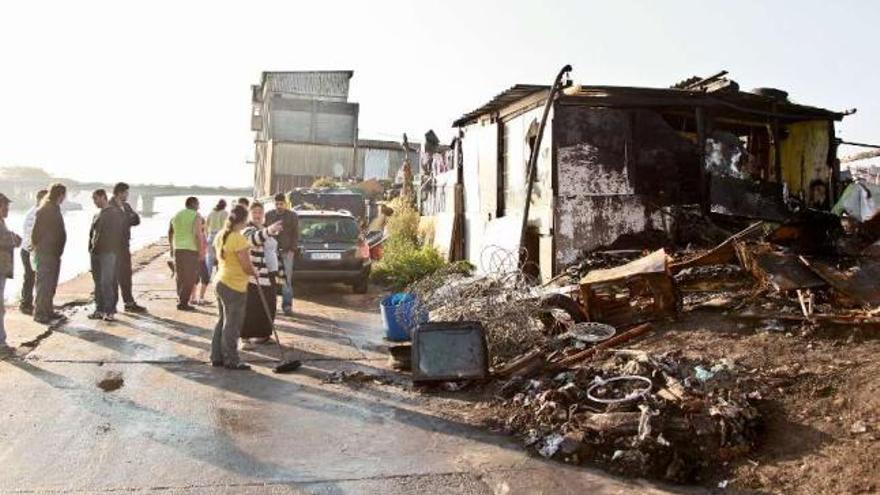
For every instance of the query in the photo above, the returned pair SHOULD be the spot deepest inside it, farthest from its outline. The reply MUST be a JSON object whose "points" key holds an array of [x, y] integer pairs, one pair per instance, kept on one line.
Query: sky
{"points": [[159, 92]]}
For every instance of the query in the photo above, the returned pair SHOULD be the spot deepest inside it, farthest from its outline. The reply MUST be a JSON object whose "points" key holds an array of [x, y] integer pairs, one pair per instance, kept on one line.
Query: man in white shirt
{"points": [[26, 305]]}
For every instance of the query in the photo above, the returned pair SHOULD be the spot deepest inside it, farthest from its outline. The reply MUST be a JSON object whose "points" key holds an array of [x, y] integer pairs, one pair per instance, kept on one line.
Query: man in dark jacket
{"points": [[8, 242], [123, 259], [288, 243], [47, 240], [105, 243]]}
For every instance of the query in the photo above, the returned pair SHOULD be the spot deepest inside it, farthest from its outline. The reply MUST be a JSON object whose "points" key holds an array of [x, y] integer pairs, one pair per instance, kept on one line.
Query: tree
{"points": [[24, 173]]}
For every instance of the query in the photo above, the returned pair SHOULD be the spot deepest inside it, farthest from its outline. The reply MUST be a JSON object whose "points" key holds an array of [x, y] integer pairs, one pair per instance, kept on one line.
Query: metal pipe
{"points": [[863, 145], [533, 157]]}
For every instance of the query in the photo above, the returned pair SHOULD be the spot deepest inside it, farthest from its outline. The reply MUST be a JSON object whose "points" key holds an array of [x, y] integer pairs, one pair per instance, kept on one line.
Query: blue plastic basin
{"points": [[399, 316]]}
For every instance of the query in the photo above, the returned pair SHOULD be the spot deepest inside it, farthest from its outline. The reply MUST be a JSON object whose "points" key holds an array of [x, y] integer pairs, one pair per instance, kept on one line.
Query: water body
{"points": [[76, 254]]}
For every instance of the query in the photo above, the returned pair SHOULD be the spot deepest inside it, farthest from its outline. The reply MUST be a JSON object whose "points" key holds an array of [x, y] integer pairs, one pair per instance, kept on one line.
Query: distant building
{"points": [[305, 128], [864, 166]]}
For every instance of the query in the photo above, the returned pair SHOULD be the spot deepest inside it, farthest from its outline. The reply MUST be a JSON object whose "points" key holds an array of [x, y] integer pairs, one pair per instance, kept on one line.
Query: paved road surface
{"points": [[177, 425]]}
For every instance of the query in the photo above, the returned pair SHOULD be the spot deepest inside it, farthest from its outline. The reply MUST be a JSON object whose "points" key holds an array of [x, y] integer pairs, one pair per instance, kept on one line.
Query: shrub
{"points": [[404, 223], [405, 262]]}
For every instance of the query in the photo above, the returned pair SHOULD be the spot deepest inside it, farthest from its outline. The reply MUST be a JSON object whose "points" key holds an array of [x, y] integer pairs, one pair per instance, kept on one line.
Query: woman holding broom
{"points": [[261, 308]]}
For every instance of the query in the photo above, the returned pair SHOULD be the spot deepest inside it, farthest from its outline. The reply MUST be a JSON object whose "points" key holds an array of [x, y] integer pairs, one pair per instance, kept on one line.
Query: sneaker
{"points": [[26, 310], [109, 317], [239, 366], [97, 315], [43, 320], [185, 307], [135, 308], [288, 311]]}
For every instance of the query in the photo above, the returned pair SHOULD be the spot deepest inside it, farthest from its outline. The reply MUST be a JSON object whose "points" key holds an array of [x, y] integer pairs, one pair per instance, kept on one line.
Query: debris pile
{"points": [[356, 377], [507, 301], [564, 383], [659, 416]]}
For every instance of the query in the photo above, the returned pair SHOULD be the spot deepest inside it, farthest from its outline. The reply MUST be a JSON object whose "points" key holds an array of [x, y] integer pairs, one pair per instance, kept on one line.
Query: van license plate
{"points": [[326, 256]]}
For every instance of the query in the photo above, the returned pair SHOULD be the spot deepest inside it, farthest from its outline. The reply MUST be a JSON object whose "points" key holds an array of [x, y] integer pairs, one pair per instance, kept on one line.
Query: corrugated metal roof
{"points": [[387, 145], [619, 96], [511, 95], [309, 84], [736, 101]]}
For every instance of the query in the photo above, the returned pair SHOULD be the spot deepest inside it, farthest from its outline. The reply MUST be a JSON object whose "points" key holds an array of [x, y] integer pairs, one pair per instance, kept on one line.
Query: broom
{"points": [[285, 366]]}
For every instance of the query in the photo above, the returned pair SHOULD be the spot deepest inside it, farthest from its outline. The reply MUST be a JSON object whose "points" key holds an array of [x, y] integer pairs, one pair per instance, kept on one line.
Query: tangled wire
{"points": [[504, 298]]}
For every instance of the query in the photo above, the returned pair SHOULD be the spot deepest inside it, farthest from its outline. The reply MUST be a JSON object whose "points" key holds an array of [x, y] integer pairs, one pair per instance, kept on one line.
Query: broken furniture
{"points": [[638, 291], [782, 270], [448, 351], [722, 253]]}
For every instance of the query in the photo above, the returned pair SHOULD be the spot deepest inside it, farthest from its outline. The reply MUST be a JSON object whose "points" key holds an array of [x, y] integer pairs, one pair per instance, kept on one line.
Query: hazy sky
{"points": [[159, 91]]}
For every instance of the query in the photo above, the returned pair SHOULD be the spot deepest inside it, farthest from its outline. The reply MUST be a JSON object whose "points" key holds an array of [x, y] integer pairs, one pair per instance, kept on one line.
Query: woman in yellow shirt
{"points": [[234, 262]]}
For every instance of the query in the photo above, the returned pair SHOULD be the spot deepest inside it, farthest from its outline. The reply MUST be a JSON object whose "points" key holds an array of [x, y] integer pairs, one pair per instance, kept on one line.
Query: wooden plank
{"points": [[859, 282]]}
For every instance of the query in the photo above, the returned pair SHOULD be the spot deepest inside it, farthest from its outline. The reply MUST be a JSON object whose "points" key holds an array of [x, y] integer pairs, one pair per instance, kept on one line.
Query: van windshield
{"points": [[328, 229]]}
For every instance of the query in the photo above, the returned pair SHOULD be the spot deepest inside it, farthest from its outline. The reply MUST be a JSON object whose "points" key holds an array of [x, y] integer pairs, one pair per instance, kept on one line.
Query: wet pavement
{"points": [[170, 423]]}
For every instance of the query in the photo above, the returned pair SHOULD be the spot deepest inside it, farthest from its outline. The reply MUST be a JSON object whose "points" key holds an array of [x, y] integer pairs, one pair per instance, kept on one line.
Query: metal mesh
{"points": [[504, 299]]}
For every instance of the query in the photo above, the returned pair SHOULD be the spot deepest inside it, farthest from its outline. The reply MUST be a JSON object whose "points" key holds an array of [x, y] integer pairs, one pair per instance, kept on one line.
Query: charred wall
{"points": [[616, 169]]}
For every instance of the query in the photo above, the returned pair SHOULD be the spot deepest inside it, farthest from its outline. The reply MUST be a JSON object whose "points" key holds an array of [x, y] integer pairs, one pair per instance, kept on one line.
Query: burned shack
{"points": [[615, 163]]}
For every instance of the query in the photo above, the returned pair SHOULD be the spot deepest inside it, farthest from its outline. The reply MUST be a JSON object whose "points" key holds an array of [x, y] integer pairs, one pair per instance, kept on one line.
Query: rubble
{"points": [[356, 377], [567, 382], [637, 414]]}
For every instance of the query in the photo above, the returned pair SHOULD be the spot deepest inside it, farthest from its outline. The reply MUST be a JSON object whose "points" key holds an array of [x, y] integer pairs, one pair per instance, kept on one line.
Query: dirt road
{"points": [[95, 407]]}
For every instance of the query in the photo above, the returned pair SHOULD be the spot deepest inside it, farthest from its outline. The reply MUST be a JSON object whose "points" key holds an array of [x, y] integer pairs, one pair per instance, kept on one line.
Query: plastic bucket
{"points": [[399, 316]]}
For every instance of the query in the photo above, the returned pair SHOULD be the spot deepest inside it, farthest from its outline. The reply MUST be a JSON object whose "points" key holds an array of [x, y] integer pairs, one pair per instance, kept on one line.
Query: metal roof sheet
{"points": [[734, 101], [501, 100]]}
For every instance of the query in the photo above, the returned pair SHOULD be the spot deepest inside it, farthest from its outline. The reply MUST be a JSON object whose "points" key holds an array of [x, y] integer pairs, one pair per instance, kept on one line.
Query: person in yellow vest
{"points": [[183, 234]]}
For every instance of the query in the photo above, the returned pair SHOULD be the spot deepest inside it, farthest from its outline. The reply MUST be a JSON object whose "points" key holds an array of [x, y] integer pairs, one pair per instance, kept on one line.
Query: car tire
{"points": [[361, 286]]}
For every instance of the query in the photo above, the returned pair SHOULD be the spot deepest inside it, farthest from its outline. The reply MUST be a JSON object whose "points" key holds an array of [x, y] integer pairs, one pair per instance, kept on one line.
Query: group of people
{"points": [[250, 249], [42, 243]]}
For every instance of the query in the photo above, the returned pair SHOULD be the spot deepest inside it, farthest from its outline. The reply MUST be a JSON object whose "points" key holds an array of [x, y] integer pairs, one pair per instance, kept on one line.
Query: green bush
{"points": [[405, 262], [403, 224]]}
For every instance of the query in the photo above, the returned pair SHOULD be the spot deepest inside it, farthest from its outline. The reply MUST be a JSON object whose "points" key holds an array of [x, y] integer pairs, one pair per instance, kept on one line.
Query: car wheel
{"points": [[361, 286]]}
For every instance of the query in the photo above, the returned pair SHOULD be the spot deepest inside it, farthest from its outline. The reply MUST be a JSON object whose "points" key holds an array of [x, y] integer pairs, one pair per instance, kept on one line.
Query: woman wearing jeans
{"points": [[233, 256]]}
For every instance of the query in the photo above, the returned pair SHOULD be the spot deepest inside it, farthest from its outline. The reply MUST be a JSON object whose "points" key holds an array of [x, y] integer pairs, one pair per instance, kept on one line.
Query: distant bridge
{"points": [[25, 190]]}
